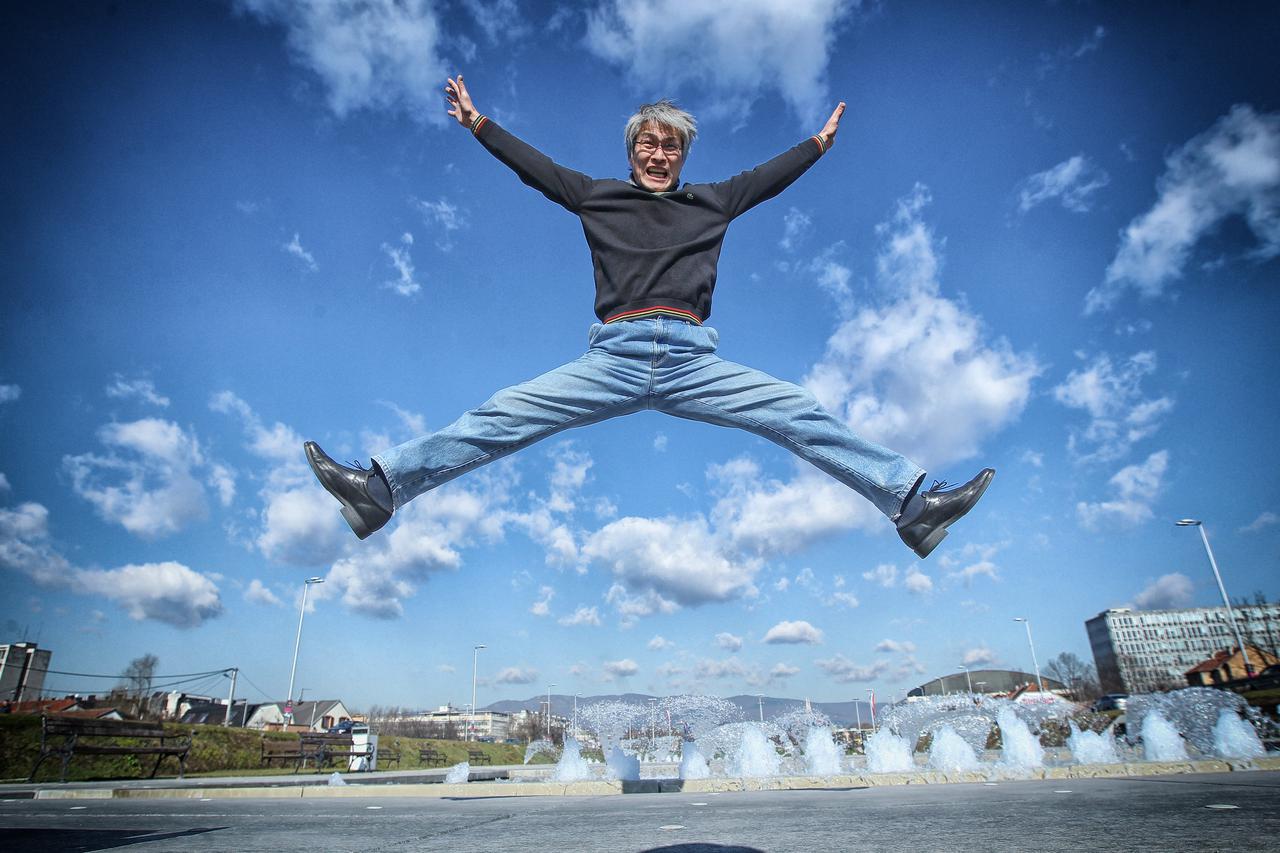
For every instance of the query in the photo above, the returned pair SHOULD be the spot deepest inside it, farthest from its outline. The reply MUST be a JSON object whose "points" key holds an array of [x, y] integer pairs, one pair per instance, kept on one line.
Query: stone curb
{"points": [[602, 788]]}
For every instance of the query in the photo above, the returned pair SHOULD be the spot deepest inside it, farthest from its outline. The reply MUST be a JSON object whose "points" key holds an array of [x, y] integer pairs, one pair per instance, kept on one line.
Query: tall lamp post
{"points": [[302, 611], [967, 676], [549, 686], [872, 694], [475, 656], [1226, 602], [1034, 662]]}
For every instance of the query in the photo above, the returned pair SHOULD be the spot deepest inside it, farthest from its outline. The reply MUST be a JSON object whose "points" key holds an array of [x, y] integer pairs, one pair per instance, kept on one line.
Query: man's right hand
{"points": [[460, 106]]}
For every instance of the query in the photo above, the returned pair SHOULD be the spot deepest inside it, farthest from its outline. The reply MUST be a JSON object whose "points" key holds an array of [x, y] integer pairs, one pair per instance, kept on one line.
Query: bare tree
{"points": [[1080, 677], [135, 685]]}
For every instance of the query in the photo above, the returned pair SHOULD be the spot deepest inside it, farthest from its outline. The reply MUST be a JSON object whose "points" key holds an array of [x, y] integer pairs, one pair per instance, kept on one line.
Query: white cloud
{"points": [[971, 561], [794, 633], [678, 560], [731, 54], [903, 647], [4, 483], [918, 373], [444, 215], [783, 670], [660, 643], [500, 20], [166, 592], [1134, 489], [542, 607], [1166, 593], [447, 669], [258, 593], [624, 668], [728, 642], [294, 247], [1266, 519], [885, 574], [143, 389], [660, 442], [978, 656], [10, 393], [404, 283], [842, 599], [718, 669], [846, 671], [1072, 182], [516, 675], [917, 582], [797, 225], [1120, 413], [1050, 62], [582, 616], [370, 55], [1231, 170], [146, 482]]}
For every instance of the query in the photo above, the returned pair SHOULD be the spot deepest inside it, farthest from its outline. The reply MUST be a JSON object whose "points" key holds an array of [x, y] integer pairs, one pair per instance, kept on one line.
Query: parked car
{"points": [[1112, 702], [348, 727]]}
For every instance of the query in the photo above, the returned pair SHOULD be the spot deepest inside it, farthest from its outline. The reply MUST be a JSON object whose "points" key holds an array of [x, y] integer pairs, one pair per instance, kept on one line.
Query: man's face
{"points": [[656, 158]]}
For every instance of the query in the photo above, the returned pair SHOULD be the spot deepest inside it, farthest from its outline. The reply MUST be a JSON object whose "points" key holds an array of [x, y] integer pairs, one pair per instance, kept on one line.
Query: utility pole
{"points": [[231, 698]]}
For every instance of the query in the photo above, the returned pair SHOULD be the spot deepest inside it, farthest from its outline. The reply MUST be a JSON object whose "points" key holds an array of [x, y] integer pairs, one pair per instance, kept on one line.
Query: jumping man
{"points": [[654, 245]]}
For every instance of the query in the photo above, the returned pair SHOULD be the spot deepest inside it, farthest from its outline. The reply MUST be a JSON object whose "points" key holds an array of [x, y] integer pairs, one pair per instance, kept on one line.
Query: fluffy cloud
{"points": [[147, 480], [1120, 413], [783, 670], [143, 389], [1166, 593], [905, 647], [978, 656], [294, 248], [166, 592], [660, 643], [1072, 182], [679, 560], [917, 582], [971, 561], [443, 215], [1134, 489], [370, 55], [845, 671], [885, 574], [794, 633], [797, 225], [258, 593], [1263, 521], [542, 607], [499, 20], [719, 669], [401, 261], [728, 642], [516, 675], [10, 393], [898, 371], [732, 54], [624, 668], [582, 616], [1230, 170]]}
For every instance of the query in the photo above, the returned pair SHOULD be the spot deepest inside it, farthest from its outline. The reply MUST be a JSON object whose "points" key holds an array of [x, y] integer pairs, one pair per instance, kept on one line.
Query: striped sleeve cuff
{"points": [[822, 146], [477, 123]]}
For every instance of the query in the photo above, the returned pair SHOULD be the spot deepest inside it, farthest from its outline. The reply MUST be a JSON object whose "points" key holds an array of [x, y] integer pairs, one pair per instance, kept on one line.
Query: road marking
{"points": [[697, 804], [78, 808], [372, 808], [672, 826], [1062, 792], [1221, 806], [989, 784]]}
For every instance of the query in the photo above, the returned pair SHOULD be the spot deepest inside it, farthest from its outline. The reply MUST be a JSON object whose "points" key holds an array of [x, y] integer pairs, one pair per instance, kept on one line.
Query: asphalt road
{"points": [[1235, 811]]}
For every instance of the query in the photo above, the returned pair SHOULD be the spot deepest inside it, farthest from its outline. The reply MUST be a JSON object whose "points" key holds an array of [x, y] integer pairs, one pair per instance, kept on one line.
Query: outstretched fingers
{"points": [[828, 132], [460, 105]]}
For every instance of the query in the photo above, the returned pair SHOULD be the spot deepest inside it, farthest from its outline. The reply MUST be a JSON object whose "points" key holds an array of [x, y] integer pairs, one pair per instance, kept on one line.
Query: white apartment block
{"points": [[1141, 651], [22, 669]]}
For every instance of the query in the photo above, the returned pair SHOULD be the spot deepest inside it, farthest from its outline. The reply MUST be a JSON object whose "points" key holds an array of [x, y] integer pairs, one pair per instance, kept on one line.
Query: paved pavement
{"points": [[1202, 812]]}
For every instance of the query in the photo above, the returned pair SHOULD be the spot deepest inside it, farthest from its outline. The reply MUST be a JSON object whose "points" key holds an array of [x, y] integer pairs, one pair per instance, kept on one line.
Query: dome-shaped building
{"points": [[984, 681]]}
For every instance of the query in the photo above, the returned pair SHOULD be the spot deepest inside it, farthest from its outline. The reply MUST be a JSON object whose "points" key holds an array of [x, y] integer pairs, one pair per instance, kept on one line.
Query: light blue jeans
{"points": [[667, 365]]}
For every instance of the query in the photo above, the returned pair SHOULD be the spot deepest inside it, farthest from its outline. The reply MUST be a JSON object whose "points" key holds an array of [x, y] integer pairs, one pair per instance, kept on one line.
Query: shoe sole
{"points": [[349, 515], [926, 546]]}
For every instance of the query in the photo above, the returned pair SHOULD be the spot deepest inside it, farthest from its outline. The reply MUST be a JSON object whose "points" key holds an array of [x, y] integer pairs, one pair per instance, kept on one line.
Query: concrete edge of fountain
{"points": [[602, 787]]}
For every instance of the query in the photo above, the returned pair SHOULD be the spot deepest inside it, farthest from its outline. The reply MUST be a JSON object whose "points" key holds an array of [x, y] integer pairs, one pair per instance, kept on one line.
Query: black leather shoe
{"points": [[942, 509], [351, 487]]}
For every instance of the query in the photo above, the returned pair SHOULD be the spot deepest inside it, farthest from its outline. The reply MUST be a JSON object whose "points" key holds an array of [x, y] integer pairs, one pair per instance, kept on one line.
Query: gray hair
{"points": [[667, 114]]}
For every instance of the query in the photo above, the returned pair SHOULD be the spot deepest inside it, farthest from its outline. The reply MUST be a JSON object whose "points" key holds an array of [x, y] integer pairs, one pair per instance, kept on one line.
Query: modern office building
{"points": [[1140, 651], [22, 669]]}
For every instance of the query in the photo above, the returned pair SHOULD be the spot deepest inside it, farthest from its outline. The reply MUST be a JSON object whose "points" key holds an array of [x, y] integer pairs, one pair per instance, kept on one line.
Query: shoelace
{"points": [[356, 465], [939, 485]]}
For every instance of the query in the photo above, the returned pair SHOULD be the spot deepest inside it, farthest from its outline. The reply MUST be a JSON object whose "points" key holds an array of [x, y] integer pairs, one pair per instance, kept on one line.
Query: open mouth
{"points": [[657, 174]]}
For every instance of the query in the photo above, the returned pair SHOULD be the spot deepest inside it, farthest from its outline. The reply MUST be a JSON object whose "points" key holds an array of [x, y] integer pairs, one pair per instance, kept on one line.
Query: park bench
{"points": [[67, 736], [330, 747], [475, 756], [390, 754], [288, 750], [431, 756]]}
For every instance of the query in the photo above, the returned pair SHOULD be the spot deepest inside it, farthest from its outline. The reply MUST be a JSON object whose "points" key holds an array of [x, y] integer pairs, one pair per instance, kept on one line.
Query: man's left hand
{"points": [[828, 133]]}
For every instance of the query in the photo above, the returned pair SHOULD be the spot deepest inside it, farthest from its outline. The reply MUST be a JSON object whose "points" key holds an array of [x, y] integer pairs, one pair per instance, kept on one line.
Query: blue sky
{"points": [[1045, 241]]}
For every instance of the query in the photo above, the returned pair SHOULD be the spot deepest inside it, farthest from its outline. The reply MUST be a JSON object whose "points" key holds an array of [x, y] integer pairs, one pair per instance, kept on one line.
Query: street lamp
{"points": [[576, 697], [306, 586], [967, 677], [1034, 662], [872, 694], [475, 654], [549, 686], [760, 700], [1226, 602]]}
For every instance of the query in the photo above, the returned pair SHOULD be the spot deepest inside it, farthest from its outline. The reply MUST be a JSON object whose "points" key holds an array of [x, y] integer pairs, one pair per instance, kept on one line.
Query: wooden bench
{"points": [[475, 756], [431, 756], [390, 754], [333, 747], [84, 737], [288, 750]]}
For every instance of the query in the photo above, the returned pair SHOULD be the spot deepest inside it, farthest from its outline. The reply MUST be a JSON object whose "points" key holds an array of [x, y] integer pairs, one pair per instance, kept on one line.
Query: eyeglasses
{"points": [[649, 144]]}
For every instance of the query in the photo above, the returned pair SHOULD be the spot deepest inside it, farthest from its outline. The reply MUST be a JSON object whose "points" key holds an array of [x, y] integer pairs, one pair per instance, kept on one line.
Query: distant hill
{"points": [[840, 713]]}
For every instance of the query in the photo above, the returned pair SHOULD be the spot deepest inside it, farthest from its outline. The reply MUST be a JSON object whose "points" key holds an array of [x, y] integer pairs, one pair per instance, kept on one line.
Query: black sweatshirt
{"points": [[650, 250]]}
